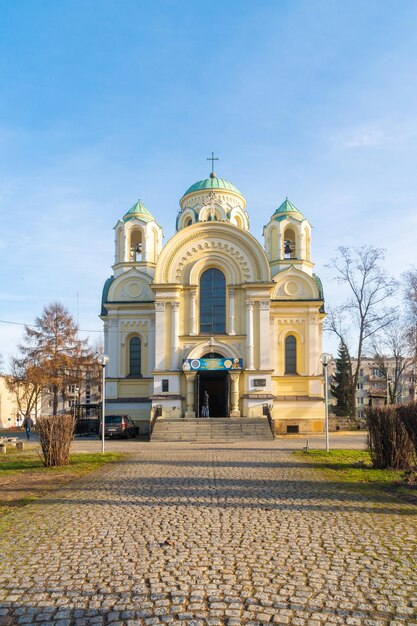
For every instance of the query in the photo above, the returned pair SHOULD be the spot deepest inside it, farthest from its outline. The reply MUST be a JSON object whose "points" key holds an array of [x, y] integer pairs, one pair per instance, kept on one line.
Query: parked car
{"points": [[118, 426]]}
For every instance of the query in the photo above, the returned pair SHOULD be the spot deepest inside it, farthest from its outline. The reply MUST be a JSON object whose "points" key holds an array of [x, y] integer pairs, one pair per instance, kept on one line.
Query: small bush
{"points": [[55, 436], [389, 443], [408, 416]]}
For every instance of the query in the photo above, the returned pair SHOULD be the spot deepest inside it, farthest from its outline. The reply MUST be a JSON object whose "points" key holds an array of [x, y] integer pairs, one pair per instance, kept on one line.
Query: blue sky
{"points": [[102, 102]]}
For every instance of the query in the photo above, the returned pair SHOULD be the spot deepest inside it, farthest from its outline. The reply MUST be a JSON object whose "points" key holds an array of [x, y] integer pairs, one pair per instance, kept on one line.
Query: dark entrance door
{"points": [[216, 385]]}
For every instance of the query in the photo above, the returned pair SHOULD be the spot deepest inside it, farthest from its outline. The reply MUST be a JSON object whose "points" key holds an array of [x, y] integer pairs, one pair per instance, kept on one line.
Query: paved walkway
{"points": [[209, 535]]}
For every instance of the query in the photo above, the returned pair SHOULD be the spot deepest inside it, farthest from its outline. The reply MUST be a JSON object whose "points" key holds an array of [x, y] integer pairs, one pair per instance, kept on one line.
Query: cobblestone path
{"points": [[209, 535]]}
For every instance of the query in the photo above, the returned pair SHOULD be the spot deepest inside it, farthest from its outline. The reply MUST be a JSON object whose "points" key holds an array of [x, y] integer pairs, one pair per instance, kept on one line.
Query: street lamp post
{"points": [[103, 359], [388, 382], [325, 359], [76, 390]]}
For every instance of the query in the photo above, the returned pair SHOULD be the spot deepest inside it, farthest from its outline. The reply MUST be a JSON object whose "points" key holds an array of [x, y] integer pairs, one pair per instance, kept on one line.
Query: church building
{"points": [[213, 321]]}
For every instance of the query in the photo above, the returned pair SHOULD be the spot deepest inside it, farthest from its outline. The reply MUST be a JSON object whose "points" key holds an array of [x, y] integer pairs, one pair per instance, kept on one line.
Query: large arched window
{"points": [[290, 355], [135, 357], [212, 302]]}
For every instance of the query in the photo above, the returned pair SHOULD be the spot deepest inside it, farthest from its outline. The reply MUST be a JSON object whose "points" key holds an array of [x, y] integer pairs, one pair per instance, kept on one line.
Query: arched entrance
{"points": [[215, 383]]}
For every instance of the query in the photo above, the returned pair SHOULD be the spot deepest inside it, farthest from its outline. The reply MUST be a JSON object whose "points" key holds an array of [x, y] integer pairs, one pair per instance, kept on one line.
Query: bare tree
{"points": [[25, 383], [410, 292], [364, 313], [391, 354]]}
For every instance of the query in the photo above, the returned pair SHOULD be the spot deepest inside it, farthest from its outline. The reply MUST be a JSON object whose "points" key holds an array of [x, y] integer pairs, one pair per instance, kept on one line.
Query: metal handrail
{"points": [[266, 409], [156, 412]]}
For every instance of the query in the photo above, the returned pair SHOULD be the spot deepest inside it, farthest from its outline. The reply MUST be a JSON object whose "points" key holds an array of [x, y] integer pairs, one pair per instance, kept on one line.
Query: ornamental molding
{"points": [[139, 327], [159, 307], [213, 197], [264, 305], [226, 247]]}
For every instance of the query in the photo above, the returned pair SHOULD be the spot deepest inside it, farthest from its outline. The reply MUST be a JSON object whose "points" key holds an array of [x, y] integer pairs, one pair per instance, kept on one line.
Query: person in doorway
{"points": [[27, 425], [205, 409]]}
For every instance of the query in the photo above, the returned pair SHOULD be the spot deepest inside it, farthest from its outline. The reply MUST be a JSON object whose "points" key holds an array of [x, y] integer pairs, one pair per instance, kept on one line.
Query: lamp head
{"points": [[325, 359], [102, 360]]}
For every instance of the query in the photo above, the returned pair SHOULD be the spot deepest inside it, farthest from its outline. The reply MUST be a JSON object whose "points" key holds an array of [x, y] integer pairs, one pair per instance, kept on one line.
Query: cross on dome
{"points": [[212, 159]]}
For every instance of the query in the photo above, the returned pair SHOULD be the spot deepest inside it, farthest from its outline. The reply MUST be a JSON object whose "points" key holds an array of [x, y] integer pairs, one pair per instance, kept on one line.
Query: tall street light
{"points": [[325, 359], [103, 359]]}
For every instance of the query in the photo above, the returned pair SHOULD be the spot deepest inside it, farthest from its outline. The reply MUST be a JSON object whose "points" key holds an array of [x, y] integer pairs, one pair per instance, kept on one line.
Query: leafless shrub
{"points": [[389, 444], [55, 436], [408, 416]]}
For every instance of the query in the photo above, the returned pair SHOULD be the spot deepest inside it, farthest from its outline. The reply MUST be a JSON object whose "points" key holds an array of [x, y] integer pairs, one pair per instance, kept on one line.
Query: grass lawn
{"points": [[23, 477], [354, 466]]}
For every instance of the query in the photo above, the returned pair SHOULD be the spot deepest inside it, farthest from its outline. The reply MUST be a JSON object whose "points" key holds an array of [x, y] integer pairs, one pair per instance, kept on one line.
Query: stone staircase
{"points": [[212, 430]]}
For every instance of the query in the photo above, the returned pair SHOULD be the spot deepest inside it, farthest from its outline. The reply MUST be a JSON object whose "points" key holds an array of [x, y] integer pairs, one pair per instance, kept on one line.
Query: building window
{"points": [[165, 385], [135, 357], [290, 355], [360, 386], [212, 302]]}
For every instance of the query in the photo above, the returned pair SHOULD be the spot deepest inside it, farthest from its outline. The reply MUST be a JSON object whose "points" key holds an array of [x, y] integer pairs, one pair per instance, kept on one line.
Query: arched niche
{"points": [[290, 243], [299, 347], [135, 244], [215, 213], [187, 218]]}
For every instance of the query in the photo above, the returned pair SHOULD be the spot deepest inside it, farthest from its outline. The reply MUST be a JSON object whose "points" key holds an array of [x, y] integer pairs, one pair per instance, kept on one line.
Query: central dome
{"points": [[212, 183]]}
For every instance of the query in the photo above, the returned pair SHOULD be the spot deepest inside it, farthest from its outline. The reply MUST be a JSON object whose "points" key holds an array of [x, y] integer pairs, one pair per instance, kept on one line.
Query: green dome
{"points": [[285, 209], [140, 211], [212, 183]]}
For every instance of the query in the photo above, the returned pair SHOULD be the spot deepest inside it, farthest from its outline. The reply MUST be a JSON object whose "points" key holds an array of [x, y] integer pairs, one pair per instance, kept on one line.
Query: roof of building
{"points": [[212, 183], [140, 211], [105, 294], [286, 209]]}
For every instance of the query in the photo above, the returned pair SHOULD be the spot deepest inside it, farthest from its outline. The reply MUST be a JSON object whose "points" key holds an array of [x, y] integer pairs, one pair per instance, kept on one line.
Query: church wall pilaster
{"points": [[160, 336], [175, 331], [264, 335], [249, 335]]}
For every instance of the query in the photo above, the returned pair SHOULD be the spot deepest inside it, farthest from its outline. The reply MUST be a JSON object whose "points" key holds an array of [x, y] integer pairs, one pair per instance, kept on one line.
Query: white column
{"points": [[264, 335], [190, 377], [159, 335], [234, 394], [193, 312], [175, 331], [232, 294], [249, 335]]}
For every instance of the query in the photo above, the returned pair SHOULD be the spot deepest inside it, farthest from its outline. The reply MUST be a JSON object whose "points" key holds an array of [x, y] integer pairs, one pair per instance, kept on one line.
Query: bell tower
{"points": [[288, 240], [138, 241]]}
